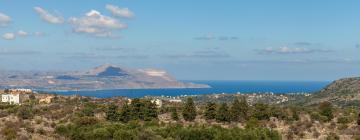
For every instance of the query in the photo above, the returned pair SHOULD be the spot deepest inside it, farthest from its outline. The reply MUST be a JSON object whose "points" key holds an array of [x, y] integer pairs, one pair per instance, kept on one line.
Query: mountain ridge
{"points": [[102, 77]]}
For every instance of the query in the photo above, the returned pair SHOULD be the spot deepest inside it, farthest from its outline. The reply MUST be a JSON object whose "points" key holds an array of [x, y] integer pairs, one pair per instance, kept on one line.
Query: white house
{"points": [[10, 98], [158, 102]]}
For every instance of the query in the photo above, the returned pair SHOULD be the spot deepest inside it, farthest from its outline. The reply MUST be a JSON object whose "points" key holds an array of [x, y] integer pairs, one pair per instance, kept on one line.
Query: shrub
{"points": [[100, 134], [25, 112], [83, 121], [252, 123], [344, 120], [123, 135], [326, 109], [41, 131], [9, 133], [332, 136]]}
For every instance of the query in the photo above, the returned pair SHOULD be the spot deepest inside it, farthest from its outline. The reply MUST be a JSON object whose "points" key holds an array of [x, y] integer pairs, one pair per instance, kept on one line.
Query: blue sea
{"points": [[216, 87]]}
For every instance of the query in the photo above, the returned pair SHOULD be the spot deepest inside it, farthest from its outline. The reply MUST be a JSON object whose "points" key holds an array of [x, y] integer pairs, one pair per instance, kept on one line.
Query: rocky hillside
{"points": [[342, 92]]}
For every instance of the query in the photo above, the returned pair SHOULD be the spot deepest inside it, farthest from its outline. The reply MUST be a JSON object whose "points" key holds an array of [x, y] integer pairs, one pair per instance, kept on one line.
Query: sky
{"points": [[192, 40]]}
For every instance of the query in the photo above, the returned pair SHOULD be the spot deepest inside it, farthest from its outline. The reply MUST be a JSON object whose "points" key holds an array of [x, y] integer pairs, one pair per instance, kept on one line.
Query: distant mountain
{"points": [[342, 92], [102, 77]]}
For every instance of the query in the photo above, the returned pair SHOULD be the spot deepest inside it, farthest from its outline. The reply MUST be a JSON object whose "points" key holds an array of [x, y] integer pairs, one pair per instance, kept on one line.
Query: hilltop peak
{"points": [[108, 70]]}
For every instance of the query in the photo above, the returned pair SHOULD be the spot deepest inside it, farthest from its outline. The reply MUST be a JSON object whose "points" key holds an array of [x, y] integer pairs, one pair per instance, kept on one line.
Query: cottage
{"points": [[158, 102], [11, 98]]}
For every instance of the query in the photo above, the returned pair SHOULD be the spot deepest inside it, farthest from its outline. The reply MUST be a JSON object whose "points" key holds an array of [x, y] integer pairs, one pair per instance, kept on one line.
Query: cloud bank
{"points": [[291, 50], [4, 19], [94, 23], [48, 17], [120, 12], [9, 36]]}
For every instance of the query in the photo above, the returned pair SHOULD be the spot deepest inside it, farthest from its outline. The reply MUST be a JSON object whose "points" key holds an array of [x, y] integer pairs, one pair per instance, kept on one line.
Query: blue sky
{"points": [[193, 40]]}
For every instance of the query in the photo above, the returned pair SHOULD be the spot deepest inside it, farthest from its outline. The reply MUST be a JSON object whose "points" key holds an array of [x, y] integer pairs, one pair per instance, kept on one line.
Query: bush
{"points": [[100, 134], [123, 135], [332, 136], [25, 112], [83, 121], [344, 120], [326, 109], [41, 131], [9, 133]]}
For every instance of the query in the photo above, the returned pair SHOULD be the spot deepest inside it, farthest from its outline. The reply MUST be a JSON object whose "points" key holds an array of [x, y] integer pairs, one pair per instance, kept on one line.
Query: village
{"points": [[18, 96]]}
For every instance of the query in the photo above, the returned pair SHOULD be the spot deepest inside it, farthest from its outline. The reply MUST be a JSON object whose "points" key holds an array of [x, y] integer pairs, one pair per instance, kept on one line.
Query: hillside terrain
{"points": [[99, 78], [343, 93]]}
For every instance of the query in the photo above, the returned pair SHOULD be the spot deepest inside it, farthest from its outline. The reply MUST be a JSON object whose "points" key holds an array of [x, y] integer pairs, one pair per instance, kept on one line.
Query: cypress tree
{"points": [[358, 121], [125, 114], [244, 109], [137, 107], [210, 111], [189, 110], [222, 113], [174, 114], [235, 110], [149, 110], [262, 111], [111, 113]]}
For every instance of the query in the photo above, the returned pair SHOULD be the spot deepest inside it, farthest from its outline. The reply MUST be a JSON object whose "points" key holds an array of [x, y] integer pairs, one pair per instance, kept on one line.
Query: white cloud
{"points": [[290, 50], [212, 37], [120, 12], [4, 19], [94, 23], [9, 36], [22, 33], [48, 17]]}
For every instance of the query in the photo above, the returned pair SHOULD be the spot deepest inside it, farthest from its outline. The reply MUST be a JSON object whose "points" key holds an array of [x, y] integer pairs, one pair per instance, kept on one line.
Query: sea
{"points": [[217, 87]]}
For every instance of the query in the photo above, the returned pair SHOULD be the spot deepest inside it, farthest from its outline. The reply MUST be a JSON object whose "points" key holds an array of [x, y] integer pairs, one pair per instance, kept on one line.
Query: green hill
{"points": [[342, 92]]}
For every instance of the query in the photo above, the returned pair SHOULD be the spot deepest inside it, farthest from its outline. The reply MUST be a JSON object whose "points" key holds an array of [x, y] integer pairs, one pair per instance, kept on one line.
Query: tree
{"points": [[210, 111], [189, 110], [125, 114], [222, 113], [149, 110], [174, 114], [239, 110], [358, 120], [326, 109], [137, 109], [111, 113], [261, 111]]}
